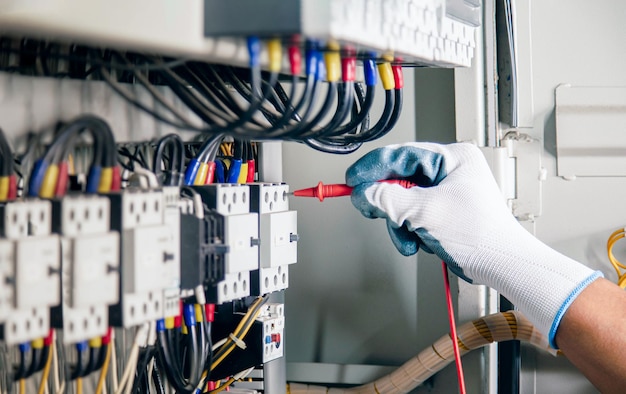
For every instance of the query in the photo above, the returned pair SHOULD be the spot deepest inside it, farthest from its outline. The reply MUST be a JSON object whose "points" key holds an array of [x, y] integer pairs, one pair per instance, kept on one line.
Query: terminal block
{"points": [[278, 229], [264, 342], [231, 203], [90, 266], [148, 253], [30, 266]]}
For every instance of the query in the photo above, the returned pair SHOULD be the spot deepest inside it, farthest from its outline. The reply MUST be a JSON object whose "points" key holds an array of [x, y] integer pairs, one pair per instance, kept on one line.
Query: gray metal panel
{"points": [[240, 17], [580, 43]]}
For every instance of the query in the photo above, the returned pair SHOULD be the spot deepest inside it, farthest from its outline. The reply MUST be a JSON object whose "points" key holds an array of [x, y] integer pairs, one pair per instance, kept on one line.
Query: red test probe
{"points": [[322, 191]]}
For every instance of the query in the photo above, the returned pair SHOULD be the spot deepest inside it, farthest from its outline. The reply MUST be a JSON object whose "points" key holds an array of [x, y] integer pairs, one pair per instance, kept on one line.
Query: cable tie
{"points": [[241, 344]]}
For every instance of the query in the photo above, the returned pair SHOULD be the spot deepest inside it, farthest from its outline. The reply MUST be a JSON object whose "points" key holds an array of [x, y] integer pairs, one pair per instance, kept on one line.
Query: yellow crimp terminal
{"points": [[95, 342], [49, 183], [386, 76], [106, 178], [169, 323], [183, 329], [243, 173], [201, 175], [37, 343], [333, 65], [275, 54], [198, 310], [4, 188]]}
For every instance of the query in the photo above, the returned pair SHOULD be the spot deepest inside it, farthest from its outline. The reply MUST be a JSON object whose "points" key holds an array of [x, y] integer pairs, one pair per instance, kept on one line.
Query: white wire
{"points": [[55, 366], [153, 182], [219, 344], [113, 366]]}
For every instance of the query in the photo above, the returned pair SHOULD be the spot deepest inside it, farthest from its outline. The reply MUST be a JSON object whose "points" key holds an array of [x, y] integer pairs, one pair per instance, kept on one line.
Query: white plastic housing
{"points": [[27, 218], [85, 215], [37, 267]]}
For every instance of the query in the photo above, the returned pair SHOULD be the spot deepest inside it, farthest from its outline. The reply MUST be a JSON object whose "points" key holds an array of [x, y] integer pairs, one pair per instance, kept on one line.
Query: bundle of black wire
{"points": [[169, 168]]}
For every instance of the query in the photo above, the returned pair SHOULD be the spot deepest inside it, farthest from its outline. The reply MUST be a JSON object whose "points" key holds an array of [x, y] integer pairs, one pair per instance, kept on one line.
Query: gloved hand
{"points": [[458, 213]]}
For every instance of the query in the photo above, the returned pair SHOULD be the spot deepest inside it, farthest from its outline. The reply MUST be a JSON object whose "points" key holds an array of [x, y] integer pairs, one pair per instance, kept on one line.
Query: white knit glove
{"points": [[459, 214]]}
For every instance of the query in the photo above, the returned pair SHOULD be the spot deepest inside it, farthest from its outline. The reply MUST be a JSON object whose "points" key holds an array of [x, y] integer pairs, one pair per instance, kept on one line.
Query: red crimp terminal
{"points": [[295, 60], [209, 309], [210, 174], [322, 191], [47, 341], [398, 76], [116, 180], [106, 339], [348, 69], [62, 179], [12, 187], [178, 320]]}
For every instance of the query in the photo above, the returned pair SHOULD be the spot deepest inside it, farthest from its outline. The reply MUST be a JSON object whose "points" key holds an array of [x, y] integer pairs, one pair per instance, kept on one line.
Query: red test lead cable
{"points": [[322, 191]]}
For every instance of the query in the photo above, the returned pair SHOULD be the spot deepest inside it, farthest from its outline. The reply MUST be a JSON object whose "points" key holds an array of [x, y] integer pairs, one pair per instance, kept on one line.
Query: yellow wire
{"points": [[104, 370], [230, 342], [386, 75], [49, 183], [46, 371], [79, 385], [106, 178], [22, 386], [617, 265]]}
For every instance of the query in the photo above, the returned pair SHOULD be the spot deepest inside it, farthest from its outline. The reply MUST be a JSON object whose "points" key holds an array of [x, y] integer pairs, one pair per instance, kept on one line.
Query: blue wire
{"points": [[39, 173], [93, 179], [234, 170], [192, 171], [220, 172]]}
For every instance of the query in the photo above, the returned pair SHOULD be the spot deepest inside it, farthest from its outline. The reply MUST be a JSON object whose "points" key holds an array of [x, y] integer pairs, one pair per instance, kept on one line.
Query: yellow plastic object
{"points": [[4, 188], [386, 75], [275, 54], [198, 310], [498, 327], [169, 323], [49, 183], [37, 343], [104, 370], [333, 66], [95, 342], [106, 179], [243, 173], [617, 265], [202, 173]]}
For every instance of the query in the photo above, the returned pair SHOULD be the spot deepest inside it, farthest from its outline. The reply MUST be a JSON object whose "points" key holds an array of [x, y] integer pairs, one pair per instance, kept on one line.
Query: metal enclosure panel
{"points": [[579, 43]]}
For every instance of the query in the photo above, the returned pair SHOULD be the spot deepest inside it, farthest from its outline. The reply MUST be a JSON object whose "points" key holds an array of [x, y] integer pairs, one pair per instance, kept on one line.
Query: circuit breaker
{"points": [[30, 253]]}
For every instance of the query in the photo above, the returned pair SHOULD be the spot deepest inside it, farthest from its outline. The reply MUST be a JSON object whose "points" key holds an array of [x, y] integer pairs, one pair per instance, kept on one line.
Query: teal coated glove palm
{"points": [[458, 213]]}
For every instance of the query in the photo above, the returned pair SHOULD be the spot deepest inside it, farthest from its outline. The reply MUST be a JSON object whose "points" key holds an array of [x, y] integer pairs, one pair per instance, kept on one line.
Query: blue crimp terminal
{"points": [[81, 346], [234, 170], [24, 347], [254, 49], [369, 69], [321, 67], [39, 172], [93, 179], [192, 171], [189, 314], [220, 172], [311, 60], [160, 325]]}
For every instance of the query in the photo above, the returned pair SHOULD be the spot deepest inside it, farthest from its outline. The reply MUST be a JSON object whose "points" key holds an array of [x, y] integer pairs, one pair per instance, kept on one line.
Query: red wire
{"points": [[455, 343]]}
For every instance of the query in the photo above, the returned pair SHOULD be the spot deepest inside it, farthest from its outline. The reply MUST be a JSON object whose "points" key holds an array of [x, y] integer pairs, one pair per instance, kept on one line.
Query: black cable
{"points": [[156, 377], [145, 355], [176, 162], [92, 362], [79, 368], [344, 98], [365, 106], [21, 370]]}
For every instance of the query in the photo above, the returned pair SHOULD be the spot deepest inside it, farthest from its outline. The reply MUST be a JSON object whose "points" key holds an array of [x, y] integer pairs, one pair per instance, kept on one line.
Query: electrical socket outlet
{"points": [[226, 198], [141, 208], [269, 280], [26, 218], [269, 197], [79, 215], [234, 287], [23, 325]]}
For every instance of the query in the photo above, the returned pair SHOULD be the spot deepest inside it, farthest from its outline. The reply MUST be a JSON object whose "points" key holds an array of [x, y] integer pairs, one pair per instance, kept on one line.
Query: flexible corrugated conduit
{"points": [[498, 327]]}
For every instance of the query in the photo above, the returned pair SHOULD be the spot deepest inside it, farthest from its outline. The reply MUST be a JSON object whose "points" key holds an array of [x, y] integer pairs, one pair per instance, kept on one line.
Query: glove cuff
{"points": [[567, 303]]}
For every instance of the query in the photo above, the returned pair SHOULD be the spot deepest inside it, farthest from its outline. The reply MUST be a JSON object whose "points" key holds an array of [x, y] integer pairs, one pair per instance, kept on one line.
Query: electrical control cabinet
{"points": [[31, 261]]}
